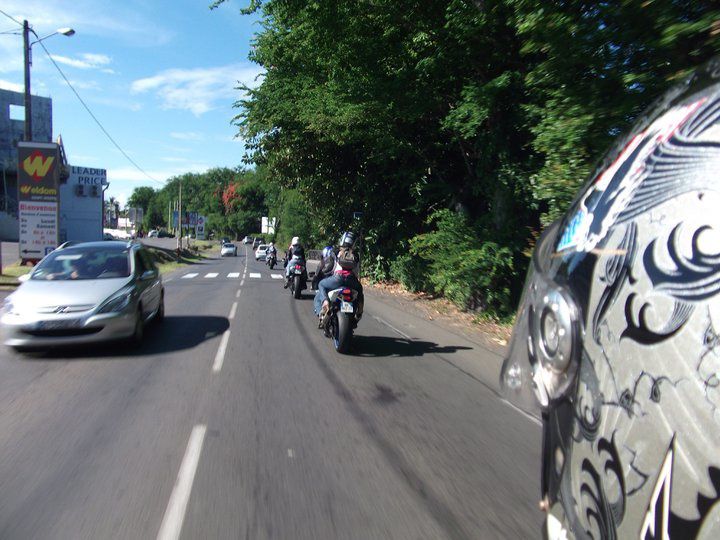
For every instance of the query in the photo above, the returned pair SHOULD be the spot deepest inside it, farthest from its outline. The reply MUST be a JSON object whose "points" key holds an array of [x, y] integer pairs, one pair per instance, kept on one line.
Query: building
{"points": [[12, 125]]}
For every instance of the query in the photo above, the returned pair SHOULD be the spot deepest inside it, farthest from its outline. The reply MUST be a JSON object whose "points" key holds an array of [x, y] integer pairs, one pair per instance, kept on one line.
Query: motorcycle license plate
{"points": [[298, 271], [346, 307]]}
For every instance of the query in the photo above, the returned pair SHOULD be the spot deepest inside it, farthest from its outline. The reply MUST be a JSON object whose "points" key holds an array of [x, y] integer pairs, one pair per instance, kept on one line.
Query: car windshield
{"points": [[82, 263], [262, 247]]}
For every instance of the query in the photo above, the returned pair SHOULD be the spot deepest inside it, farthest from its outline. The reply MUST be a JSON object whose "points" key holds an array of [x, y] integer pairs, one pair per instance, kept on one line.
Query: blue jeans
{"points": [[333, 282]]}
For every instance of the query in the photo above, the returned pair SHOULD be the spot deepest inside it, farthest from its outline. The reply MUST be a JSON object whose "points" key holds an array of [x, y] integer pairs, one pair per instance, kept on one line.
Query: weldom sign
{"points": [[38, 172]]}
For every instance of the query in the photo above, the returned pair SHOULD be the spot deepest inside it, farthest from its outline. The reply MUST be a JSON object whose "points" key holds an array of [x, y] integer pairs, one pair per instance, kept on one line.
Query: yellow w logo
{"points": [[37, 165]]}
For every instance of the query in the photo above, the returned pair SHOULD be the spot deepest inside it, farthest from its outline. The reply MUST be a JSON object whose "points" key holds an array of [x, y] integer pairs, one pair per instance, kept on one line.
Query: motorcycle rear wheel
{"points": [[342, 332], [297, 293]]}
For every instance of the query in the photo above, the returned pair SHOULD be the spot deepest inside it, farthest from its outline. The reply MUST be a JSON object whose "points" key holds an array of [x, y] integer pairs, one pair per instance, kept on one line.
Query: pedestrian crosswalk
{"points": [[231, 275]]}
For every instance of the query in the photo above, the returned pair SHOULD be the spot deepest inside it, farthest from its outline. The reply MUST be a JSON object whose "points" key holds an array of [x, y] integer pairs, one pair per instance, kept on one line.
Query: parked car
{"points": [[248, 240], [153, 234], [108, 236], [228, 249], [85, 293], [261, 252], [165, 234]]}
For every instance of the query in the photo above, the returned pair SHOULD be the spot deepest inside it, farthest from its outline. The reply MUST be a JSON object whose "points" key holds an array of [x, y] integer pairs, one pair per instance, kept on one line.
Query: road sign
{"points": [[200, 228]]}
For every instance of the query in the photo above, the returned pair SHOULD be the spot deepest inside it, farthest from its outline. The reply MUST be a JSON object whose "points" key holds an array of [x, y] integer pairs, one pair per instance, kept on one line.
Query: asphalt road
{"points": [[237, 419]]}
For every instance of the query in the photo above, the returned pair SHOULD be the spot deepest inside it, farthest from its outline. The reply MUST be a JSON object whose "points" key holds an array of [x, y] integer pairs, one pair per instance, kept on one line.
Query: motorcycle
{"points": [[298, 278], [340, 321], [271, 260]]}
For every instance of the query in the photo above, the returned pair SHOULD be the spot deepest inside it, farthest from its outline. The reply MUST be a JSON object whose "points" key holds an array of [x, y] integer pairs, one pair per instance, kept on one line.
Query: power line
{"points": [[138, 167], [11, 17]]}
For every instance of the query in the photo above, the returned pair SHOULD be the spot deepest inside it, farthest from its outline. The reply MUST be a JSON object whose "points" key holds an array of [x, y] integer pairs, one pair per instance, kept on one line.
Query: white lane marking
{"points": [[383, 321], [233, 310], [177, 505], [242, 281], [167, 280], [276, 276], [291, 453], [526, 414], [211, 275], [237, 294], [255, 275], [234, 275], [189, 276], [220, 356]]}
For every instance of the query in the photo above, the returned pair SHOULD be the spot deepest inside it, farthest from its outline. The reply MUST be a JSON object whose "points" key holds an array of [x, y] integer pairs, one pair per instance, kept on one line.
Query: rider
{"points": [[325, 269], [617, 338], [346, 273], [296, 252], [271, 252]]}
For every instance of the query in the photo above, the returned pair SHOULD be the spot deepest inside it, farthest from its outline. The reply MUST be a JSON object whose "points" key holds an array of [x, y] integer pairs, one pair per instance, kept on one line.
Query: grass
{"points": [[167, 261], [11, 273]]}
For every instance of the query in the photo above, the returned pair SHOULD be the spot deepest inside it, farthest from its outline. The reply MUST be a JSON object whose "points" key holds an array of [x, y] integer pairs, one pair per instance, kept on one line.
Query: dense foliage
{"points": [[459, 128]]}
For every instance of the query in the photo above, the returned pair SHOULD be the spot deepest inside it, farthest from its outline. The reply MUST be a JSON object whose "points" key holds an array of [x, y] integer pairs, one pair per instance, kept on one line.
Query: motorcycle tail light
{"points": [[298, 267]]}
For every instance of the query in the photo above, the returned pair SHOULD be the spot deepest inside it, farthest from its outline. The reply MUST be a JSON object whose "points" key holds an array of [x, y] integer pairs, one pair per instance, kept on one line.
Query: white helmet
{"points": [[295, 241]]}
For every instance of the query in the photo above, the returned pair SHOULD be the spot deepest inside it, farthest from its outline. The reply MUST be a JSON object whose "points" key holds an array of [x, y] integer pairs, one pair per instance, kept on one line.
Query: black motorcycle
{"points": [[341, 319], [297, 277], [271, 260]]}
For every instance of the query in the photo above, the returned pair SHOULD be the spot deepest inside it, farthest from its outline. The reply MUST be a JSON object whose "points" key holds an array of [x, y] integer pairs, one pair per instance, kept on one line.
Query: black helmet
{"points": [[617, 339], [347, 239]]}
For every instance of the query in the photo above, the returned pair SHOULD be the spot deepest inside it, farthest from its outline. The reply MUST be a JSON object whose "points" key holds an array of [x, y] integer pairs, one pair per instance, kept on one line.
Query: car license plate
{"points": [[346, 307], [59, 324]]}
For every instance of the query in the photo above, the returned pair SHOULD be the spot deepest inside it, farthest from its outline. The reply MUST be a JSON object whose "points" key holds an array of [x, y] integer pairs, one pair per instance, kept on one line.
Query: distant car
{"points": [[261, 252], [248, 240], [108, 236], [85, 293], [257, 242], [164, 234], [153, 234], [225, 240], [228, 249]]}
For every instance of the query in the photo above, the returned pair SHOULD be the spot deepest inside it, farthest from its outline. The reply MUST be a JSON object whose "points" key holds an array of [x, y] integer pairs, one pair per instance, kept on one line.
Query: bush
{"points": [[412, 272], [464, 265]]}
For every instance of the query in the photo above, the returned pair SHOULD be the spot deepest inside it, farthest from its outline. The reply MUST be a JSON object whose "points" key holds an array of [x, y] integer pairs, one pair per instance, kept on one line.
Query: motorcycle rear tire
{"points": [[297, 292], [344, 333]]}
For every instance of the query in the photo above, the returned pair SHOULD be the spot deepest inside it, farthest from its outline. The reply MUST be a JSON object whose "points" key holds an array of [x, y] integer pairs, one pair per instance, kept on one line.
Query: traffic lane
{"points": [[89, 447], [307, 443]]}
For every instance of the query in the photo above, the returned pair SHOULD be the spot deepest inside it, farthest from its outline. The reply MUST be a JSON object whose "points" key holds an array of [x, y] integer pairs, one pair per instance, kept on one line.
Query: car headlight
{"points": [[117, 302], [7, 307]]}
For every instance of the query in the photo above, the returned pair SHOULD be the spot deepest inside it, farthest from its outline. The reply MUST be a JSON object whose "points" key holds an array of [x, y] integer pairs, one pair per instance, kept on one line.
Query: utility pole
{"points": [[180, 216], [28, 62]]}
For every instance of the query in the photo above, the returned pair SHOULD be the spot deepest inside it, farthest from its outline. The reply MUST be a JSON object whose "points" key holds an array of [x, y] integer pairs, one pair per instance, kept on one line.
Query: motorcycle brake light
{"points": [[298, 267]]}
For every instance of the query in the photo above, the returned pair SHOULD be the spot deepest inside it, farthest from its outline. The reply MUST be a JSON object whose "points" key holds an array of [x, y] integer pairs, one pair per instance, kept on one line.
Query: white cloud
{"points": [[187, 135], [86, 60], [198, 90], [174, 159], [7, 85]]}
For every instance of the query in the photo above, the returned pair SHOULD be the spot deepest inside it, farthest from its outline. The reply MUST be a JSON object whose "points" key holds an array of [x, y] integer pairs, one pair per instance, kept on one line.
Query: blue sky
{"points": [[158, 74]]}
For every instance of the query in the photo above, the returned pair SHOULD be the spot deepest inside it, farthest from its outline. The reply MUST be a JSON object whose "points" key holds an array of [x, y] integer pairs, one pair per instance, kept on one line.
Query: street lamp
{"points": [[27, 49]]}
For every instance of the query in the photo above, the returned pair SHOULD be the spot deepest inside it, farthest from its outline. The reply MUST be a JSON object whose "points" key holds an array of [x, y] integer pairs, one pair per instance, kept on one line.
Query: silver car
{"points": [[228, 249], [85, 293]]}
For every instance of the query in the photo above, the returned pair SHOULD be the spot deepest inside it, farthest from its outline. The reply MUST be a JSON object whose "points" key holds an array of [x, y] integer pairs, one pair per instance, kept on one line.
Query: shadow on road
{"points": [[378, 346], [175, 333]]}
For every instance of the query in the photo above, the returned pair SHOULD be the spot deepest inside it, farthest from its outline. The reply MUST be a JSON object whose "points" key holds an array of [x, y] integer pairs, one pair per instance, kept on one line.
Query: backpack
{"points": [[346, 258]]}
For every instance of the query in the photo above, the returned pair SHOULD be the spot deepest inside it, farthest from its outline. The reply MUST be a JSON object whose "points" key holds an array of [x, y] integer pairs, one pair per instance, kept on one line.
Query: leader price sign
{"points": [[38, 167]]}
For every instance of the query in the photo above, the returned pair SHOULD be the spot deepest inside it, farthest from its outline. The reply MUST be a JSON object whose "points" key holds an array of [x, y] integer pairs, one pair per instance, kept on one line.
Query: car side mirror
{"points": [[148, 274]]}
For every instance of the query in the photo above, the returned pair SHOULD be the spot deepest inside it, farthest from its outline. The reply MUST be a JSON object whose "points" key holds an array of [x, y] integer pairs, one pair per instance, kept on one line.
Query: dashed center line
{"points": [[189, 276], [242, 282], [237, 294], [220, 356], [172, 523], [233, 310], [211, 275]]}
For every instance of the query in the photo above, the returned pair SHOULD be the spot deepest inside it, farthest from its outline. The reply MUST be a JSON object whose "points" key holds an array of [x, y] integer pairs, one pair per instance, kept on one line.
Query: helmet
{"points": [[617, 338], [271, 244], [347, 239], [327, 250], [295, 241]]}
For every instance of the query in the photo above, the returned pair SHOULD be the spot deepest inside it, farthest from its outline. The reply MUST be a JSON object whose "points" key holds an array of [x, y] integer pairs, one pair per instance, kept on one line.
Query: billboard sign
{"points": [[189, 219], [38, 198], [200, 228]]}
